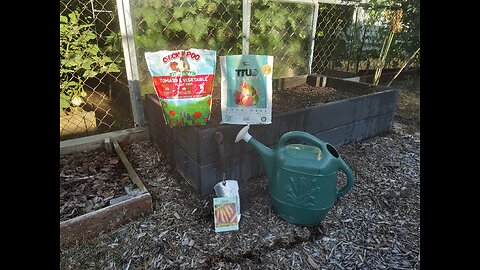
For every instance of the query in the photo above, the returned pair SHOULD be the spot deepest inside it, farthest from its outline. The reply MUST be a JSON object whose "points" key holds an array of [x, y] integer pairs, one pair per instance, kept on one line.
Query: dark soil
{"points": [[304, 96], [299, 97], [88, 180]]}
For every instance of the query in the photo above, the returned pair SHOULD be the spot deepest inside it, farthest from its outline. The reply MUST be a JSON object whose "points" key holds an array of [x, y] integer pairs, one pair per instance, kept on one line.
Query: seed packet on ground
{"points": [[246, 89], [225, 214], [183, 80]]}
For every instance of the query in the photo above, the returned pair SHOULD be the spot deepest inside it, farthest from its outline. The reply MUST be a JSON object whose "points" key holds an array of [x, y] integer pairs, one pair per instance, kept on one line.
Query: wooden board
{"points": [[105, 219], [128, 166], [125, 136], [92, 224]]}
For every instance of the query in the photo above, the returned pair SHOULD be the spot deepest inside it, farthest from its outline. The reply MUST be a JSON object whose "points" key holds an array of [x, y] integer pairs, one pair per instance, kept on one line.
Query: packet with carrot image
{"points": [[225, 214]]}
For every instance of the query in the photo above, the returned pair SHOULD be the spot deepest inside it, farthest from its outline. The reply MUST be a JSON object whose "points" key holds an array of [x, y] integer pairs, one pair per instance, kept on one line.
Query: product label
{"points": [[246, 89], [225, 214], [182, 74], [183, 80]]}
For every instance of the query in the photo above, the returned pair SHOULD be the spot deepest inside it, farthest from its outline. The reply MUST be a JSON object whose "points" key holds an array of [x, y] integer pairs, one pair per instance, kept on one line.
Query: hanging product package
{"points": [[246, 89], [183, 81]]}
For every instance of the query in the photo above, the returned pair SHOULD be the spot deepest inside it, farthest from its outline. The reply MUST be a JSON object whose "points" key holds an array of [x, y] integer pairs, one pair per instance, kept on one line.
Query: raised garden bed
{"points": [[366, 76], [353, 112], [99, 191]]}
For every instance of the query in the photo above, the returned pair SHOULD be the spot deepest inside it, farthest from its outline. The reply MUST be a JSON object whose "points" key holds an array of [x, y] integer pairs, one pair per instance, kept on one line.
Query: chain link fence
{"points": [[362, 38], [183, 24], [303, 36], [94, 94], [287, 30]]}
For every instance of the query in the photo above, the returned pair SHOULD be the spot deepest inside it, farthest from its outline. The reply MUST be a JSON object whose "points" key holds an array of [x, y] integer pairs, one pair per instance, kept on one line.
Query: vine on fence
{"points": [[80, 59]]}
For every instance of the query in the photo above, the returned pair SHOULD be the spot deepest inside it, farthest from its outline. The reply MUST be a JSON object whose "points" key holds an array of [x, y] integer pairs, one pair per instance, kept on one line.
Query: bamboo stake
{"points": [[383, 57], [395, 26], [404, 65]]}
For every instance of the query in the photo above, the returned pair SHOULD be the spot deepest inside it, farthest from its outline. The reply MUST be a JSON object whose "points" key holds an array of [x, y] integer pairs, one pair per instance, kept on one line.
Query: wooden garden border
{"points": [[124, 136], [94, 223]]}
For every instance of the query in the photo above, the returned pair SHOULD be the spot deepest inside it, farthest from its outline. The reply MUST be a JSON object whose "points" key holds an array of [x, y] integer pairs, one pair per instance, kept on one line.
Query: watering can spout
{"points": [[265, 153]]}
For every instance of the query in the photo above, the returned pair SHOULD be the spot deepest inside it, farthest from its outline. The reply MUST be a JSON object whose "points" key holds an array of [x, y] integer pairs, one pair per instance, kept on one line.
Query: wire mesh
{"points": [[361, 40], [332, 22], [284, 31], [277, 28], [174, 25], [94, 96], [97, 84]]}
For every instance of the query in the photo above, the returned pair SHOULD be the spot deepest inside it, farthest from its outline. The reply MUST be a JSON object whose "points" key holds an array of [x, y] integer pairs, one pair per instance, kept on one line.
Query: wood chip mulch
{"points": [[375, 226]]}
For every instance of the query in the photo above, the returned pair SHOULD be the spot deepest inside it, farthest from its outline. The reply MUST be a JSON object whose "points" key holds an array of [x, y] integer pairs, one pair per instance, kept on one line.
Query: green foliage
{"points": [[279, 29], [284, 31], [362, 42], [80, 59], [173, 25], [276, 28], [329, 42]]}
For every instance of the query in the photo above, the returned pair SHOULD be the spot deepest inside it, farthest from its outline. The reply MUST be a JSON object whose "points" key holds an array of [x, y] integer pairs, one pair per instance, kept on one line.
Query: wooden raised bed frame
{"points": [[193, 150], [94, 223]]}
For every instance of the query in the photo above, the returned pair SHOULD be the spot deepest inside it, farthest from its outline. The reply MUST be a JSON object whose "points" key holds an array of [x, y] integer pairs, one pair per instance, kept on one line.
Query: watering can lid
{"points": [[301, 151]]}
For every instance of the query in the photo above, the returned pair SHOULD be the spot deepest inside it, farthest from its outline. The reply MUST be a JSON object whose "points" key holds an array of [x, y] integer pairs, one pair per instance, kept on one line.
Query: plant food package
{"points": [[183, 81], [246, 89]]}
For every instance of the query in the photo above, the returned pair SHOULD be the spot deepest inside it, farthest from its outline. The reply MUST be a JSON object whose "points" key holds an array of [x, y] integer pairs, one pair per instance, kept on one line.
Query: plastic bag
{"points": [[183, 81], [246, 89]]}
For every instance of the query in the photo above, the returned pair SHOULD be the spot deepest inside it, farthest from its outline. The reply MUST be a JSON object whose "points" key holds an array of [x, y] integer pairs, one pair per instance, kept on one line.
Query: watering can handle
{"points": [[345, 189], [307, 137]]}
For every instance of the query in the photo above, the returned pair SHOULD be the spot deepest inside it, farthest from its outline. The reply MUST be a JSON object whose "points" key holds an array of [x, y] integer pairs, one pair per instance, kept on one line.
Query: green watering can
{"points": [[302, 179]]}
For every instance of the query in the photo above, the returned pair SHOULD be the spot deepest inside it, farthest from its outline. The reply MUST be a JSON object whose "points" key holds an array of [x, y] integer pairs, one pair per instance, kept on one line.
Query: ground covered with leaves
{"points": [[89, 180], [375, 226]]}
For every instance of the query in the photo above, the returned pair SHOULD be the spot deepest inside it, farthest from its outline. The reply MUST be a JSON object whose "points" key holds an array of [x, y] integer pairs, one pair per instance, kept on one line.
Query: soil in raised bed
{"points": [[304, 96], [88, 180], [289, 99]]}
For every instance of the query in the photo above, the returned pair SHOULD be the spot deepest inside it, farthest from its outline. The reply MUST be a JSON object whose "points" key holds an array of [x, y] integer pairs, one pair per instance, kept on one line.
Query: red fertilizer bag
{"points": [[183, 81]]}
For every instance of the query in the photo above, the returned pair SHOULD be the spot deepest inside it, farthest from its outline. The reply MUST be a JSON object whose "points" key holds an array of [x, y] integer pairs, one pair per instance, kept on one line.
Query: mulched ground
{"points": [[88, 180], [375, 226]]}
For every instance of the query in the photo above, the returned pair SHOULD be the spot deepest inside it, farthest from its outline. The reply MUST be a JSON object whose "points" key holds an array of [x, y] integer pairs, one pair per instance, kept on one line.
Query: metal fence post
{"points": [[126, 29], [314, 32], [246, 10]]}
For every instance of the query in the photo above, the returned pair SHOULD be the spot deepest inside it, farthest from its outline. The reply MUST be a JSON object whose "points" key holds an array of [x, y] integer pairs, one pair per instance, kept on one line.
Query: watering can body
{"points": [[302, 178]]}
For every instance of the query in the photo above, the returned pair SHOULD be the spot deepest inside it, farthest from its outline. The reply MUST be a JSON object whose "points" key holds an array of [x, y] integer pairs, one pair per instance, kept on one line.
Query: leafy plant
{"points": [[364, 38], [80, 59]]}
